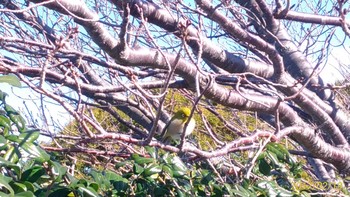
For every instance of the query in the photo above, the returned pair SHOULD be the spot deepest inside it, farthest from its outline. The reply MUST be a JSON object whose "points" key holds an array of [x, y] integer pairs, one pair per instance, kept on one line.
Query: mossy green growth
{"points": [[106, 120]]}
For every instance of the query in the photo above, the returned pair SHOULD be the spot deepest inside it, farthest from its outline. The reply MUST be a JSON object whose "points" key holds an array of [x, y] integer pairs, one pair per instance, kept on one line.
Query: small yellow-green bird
{"points": [[174, 128]]}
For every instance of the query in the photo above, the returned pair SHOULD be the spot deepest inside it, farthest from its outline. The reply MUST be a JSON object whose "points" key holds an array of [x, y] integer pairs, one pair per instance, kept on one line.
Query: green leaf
{"points": [[25, 194], [10, 165], [3, 143], [207, 179], [120, 184], [100, 179], [3, 96], [18, 187], [152, 151], [264, 167], [10, 79], [29, 136], [272, 189], [60, 192], [167, 158], [5, 122], [121, 164], [176, 161], [82, 182], [33, 174], [240, 191], [19, 122], [138, 169], [168, 170], [262, 156], [39, 154], [59, 170], [15, 117], [88, 192], [95, 186], [29, 186], [274, 159], [4, 182], [280, 151], [141, 160], [12, 155], [180, 193], [111, 176], [10, 110], [228, 189], [13, 138], [153, 169], [217, 190], [179, 169]]}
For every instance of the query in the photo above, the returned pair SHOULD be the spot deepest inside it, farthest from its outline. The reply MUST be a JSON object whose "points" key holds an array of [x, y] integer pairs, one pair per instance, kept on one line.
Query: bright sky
{"points": [[27, 101]]}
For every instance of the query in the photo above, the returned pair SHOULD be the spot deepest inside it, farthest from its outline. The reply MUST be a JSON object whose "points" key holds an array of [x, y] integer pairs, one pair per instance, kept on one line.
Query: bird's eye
{"points": [[183, 115]]}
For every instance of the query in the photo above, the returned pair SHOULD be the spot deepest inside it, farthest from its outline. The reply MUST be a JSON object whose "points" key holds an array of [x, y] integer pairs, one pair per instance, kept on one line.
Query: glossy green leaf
{"points": [[19, 122], [141, 160], [216, 190], [177, 172], [15, 117], [138, 169], [152, 151], [29, 136], [120, 164], [111, 176], [95, 186], [10, 110], [207, 179], [167, 158], [3, 96], [272, 189], [10, 165], [228, 189], [167, 170], [121, 184], [240, 191], [178, 167], [273, 157], [12, 155], [153, 169], [280, 151], [5, 122], [60, 192], [264, 167], [176, 161], [262, 156], [100, 180], [25, 194], [58, 170], [33, 174], [180, 193], [82, 182], [18, 187], [4, 182], [38, 153], [29, 185], [10, 79], [6, 131], [3, 143], [13, 138], [88, 192]]}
